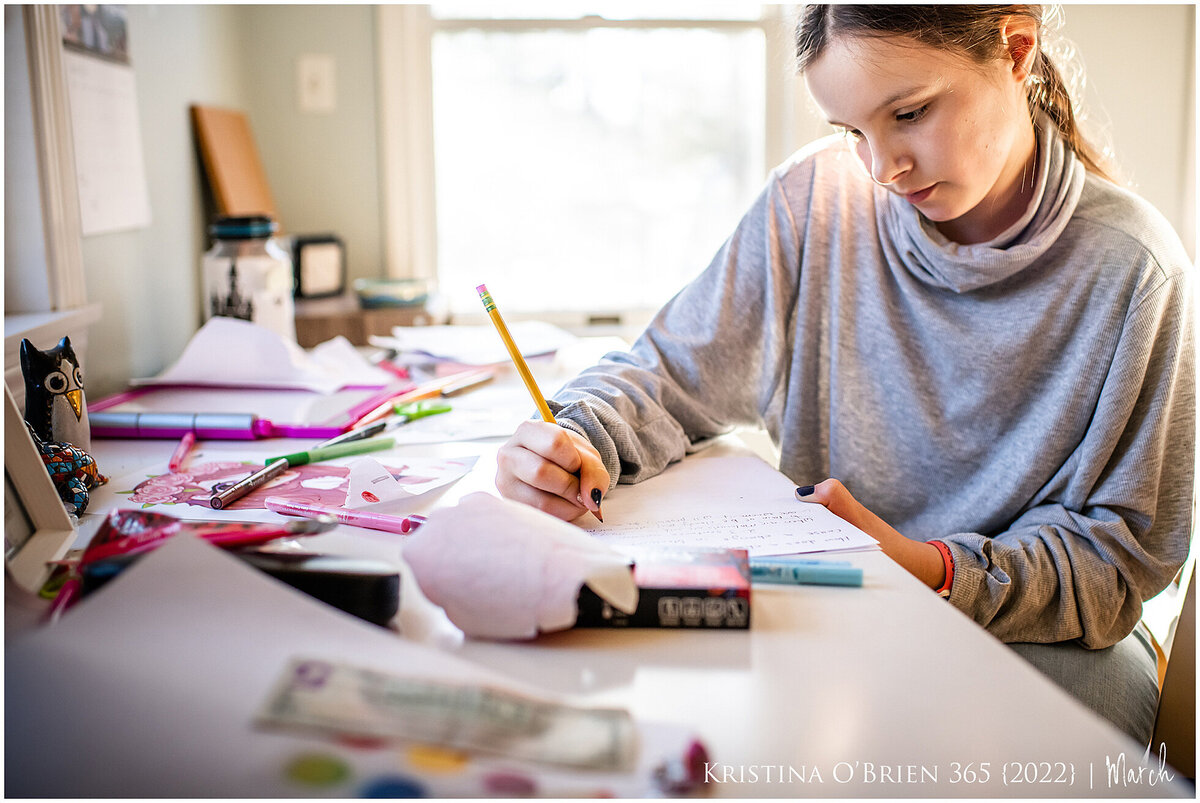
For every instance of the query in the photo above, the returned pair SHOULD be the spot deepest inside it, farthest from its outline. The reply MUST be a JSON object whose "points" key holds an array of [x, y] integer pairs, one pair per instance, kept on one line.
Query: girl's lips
{"points": [[919, 195]]}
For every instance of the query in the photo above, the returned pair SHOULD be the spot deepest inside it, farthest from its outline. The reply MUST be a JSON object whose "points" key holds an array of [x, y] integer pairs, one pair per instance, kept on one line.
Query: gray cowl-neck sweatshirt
{"points": [[1030, 401]]}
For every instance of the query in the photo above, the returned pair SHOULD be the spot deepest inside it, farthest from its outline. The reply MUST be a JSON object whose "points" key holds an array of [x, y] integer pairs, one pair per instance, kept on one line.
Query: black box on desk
{"points": [[699, 588]]}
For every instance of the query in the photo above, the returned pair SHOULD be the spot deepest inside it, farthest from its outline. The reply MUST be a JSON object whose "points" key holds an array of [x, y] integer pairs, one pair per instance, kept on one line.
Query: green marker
{"points": [[404, 413], [420, 409], [337, 450]]}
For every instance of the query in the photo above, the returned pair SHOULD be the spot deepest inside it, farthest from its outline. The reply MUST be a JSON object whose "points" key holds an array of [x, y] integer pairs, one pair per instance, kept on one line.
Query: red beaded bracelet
{"points": [[948, 560]]}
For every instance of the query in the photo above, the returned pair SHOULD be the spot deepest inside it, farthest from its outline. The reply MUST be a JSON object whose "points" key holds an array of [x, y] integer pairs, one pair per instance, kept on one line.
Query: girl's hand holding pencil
{"points": [[553, 469]]}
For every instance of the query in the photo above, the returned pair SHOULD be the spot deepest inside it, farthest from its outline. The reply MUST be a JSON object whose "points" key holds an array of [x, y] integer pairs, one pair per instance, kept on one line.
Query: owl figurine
{"points": [[55, 406], [72, 470]]}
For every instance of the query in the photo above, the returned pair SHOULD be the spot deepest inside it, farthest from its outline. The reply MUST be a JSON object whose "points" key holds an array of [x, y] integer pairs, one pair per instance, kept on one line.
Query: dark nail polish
{"points": [[805, 490], [596, 495]]}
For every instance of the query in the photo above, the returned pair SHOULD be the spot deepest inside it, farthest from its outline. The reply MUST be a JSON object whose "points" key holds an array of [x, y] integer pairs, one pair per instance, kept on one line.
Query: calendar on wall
{"points": [[101, 86]]}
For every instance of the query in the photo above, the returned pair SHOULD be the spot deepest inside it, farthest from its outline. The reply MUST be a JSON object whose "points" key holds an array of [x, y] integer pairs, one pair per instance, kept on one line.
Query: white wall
{"points": [[323, 168], [1140, 96], [148, 280]]}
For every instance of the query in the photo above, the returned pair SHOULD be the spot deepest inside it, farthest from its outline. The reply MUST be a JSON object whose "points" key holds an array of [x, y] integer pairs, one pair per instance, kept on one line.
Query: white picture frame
{"points": [[37, 527]]}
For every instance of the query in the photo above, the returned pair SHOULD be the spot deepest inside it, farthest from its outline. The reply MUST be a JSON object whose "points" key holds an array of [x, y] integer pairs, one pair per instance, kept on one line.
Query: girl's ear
{"points": [[1020, 39]]}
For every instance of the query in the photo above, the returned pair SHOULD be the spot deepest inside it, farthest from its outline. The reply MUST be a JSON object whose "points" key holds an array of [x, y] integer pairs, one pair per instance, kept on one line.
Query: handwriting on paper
{"points": [[727, 501], [760, 532]]}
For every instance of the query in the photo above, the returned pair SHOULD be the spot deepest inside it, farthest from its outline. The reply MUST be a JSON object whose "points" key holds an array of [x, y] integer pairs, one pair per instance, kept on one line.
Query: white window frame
{"points": [[68, 313], [405, 81]]}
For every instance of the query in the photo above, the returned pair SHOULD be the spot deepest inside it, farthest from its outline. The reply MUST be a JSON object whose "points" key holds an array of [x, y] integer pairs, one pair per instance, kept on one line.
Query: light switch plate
{"points": [[316, 83]]}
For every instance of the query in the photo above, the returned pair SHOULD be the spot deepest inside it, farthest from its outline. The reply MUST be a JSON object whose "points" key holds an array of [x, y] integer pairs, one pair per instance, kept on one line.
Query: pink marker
{"points": [[355, 518], [181, 452], [66, 597]]}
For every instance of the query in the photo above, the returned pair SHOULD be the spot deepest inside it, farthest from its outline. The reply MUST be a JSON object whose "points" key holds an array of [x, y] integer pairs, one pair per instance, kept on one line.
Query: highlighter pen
{"points": [[812, 573], [355, 518], [337, 450]]}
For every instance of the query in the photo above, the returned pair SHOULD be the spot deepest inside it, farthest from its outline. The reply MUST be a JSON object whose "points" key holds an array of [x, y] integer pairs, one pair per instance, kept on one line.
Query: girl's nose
{"points": [[884, 165]]}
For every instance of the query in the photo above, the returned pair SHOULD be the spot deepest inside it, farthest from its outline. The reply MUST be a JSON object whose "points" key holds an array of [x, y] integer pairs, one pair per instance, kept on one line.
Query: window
{"points": [[588, 159], [43, 271], [25, 282], [39, 125]]}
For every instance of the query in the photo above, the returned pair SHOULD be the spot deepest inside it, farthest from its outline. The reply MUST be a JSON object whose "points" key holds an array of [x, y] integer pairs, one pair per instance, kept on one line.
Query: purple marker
{"points": [[207, 426]]}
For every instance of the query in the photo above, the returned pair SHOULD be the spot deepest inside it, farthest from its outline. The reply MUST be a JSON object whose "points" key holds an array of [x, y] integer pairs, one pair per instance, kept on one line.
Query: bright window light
{"points": [[579, 9], [591, 169]]}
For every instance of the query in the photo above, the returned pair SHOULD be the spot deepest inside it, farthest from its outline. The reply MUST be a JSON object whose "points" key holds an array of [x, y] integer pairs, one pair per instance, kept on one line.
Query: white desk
{"points": [[880, 691]]}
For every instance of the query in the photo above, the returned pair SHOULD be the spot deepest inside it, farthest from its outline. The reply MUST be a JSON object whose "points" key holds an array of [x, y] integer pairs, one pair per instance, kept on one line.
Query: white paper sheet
{"points": [[109, 167], [648, 514], [475, 345], [234, 353], [370, 485], [463, 424], [149, 689], [373, 488], [503, 570]]}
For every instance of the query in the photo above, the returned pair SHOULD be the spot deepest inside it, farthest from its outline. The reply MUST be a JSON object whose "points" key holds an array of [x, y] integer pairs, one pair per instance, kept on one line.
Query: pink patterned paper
{"points": [[314, 484]]}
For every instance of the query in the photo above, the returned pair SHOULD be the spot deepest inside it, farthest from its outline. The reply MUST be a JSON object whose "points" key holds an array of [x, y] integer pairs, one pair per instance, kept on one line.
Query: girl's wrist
{"points": [[922, 559], [947, 570]]}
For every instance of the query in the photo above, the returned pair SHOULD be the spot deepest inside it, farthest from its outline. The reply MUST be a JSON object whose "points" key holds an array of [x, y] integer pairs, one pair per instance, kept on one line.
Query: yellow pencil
{"points": [[515, 353], [523, 370]]}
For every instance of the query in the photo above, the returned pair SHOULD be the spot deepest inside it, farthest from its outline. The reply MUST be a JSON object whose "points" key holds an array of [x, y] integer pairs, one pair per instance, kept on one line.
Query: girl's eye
{"points": [[852, 134], [914, 115]]}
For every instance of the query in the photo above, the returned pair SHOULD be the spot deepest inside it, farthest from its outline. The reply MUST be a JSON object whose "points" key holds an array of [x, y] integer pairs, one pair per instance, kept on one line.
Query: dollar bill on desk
{"points": [[325, 697]]}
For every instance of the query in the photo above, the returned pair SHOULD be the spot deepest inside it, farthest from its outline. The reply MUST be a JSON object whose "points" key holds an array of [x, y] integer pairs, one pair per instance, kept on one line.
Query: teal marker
{"points": [[337, 450], [809, 572], [794, 560]]}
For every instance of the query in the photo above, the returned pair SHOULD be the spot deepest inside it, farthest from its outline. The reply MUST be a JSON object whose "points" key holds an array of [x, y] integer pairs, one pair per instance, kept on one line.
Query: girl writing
{"points": [[953, 311]]}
